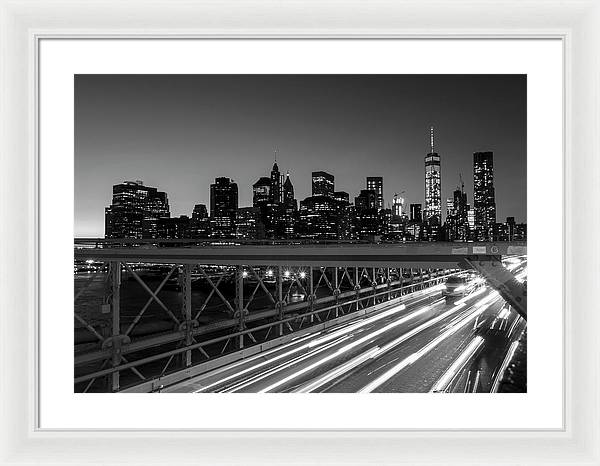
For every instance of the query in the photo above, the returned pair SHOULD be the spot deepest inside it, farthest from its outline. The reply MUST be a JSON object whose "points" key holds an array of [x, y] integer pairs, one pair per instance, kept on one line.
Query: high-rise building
{"points": [[471, 219], [261, 196], [367, 220], [200, 222], [261, 191], [274, 197], [450, 207], [135, 211], [290, 208], [319, 213], [397, 206], [174, 228], [322, 184], [416, 213], [433, 185], [398, 219], [318, 218], [342, 196], [375, 183], [510, 228], [367, 199], [275, 209], [248, 224], [276, 188], [457, 220], [200, 212], [223, 207], [344, 224], [484, 196]]}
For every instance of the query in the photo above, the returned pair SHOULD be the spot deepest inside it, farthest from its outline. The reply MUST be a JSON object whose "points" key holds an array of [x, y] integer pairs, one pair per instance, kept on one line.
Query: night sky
{"points": [[179, 132]]}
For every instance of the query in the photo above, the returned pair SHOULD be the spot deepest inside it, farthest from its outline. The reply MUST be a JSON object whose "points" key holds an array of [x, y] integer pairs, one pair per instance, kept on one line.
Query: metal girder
{"points": [[216, 290], [282, 315], [418, 255], [501, 279], [151, 293], [186, 309], [170, 355], [115, 302], [150, 300]]}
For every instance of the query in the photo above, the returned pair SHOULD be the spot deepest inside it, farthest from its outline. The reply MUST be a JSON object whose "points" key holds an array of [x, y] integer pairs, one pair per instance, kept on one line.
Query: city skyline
{"points": [[402, 168]]}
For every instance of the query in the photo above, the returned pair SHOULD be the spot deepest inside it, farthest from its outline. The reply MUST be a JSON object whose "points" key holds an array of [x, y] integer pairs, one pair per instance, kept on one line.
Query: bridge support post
{"points": [[374, 285], [280, 298], [401, 279], [312, 294], [115, 301], [186, 304], [357, 287], [336, 291], [239, 302]]}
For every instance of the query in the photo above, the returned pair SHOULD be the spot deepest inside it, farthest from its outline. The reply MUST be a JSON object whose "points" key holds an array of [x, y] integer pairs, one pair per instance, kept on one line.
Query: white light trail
{"points": [[426, 349], [338, 371], [514, 324], [345, 349], [283, 366], [472, 295], [340, 330], [375, 352], [442, 384], [324, 339], [505, 363]]}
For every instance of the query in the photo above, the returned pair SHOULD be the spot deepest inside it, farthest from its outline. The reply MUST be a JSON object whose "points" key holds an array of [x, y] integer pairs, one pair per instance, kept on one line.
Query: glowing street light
{"points": [[302, 274], [244, 274], [286, 274]]}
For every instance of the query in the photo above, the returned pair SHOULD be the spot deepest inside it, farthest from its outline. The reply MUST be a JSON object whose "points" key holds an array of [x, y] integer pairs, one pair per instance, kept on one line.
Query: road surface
{"points": [[420, 345]]}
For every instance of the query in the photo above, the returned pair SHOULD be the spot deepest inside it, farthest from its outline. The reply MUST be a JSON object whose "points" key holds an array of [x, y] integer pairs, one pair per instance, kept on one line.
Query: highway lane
{"points": [[308, 345], [409, 347]]}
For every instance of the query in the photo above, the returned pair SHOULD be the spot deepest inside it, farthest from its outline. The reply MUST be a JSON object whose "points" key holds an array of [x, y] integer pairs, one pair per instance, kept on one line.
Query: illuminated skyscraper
{"points": [[276, 192], [322, 184], [471, 218], [200, 222], [397, 206], [416, 214], [457, 221], [433, 185], [223, 207], [290, 208], [484, 196], [248, 224], [375, 183], [135, 211], [366, 221]]}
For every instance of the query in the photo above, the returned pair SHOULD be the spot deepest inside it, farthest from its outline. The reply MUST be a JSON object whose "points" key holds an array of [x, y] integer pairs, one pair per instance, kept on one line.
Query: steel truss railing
{"points": [[349, 289]]}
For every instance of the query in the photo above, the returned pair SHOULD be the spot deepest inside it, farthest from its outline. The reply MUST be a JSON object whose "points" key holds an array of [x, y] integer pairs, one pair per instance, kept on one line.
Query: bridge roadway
{"points": [[417, 255], [422, 344]]}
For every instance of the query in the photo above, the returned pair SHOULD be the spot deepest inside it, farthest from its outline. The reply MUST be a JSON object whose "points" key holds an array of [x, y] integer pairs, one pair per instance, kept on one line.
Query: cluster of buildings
{"points": [[139, 211]]}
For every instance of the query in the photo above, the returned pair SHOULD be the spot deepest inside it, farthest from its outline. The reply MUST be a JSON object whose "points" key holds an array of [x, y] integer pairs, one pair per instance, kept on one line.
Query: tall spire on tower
{"points": [[275, 167], [431, 139]]}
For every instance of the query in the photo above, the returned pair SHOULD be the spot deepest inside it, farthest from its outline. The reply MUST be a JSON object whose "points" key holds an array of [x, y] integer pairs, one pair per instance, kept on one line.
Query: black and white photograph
{"points": [[305, 233]]}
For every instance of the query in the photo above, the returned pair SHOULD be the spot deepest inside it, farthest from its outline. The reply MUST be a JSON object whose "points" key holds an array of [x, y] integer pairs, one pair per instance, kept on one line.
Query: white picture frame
{"points": [[576, 23]]}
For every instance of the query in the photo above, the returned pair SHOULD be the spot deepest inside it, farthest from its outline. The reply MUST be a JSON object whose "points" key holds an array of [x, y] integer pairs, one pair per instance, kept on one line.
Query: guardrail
{"points": [[190, 343]]}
